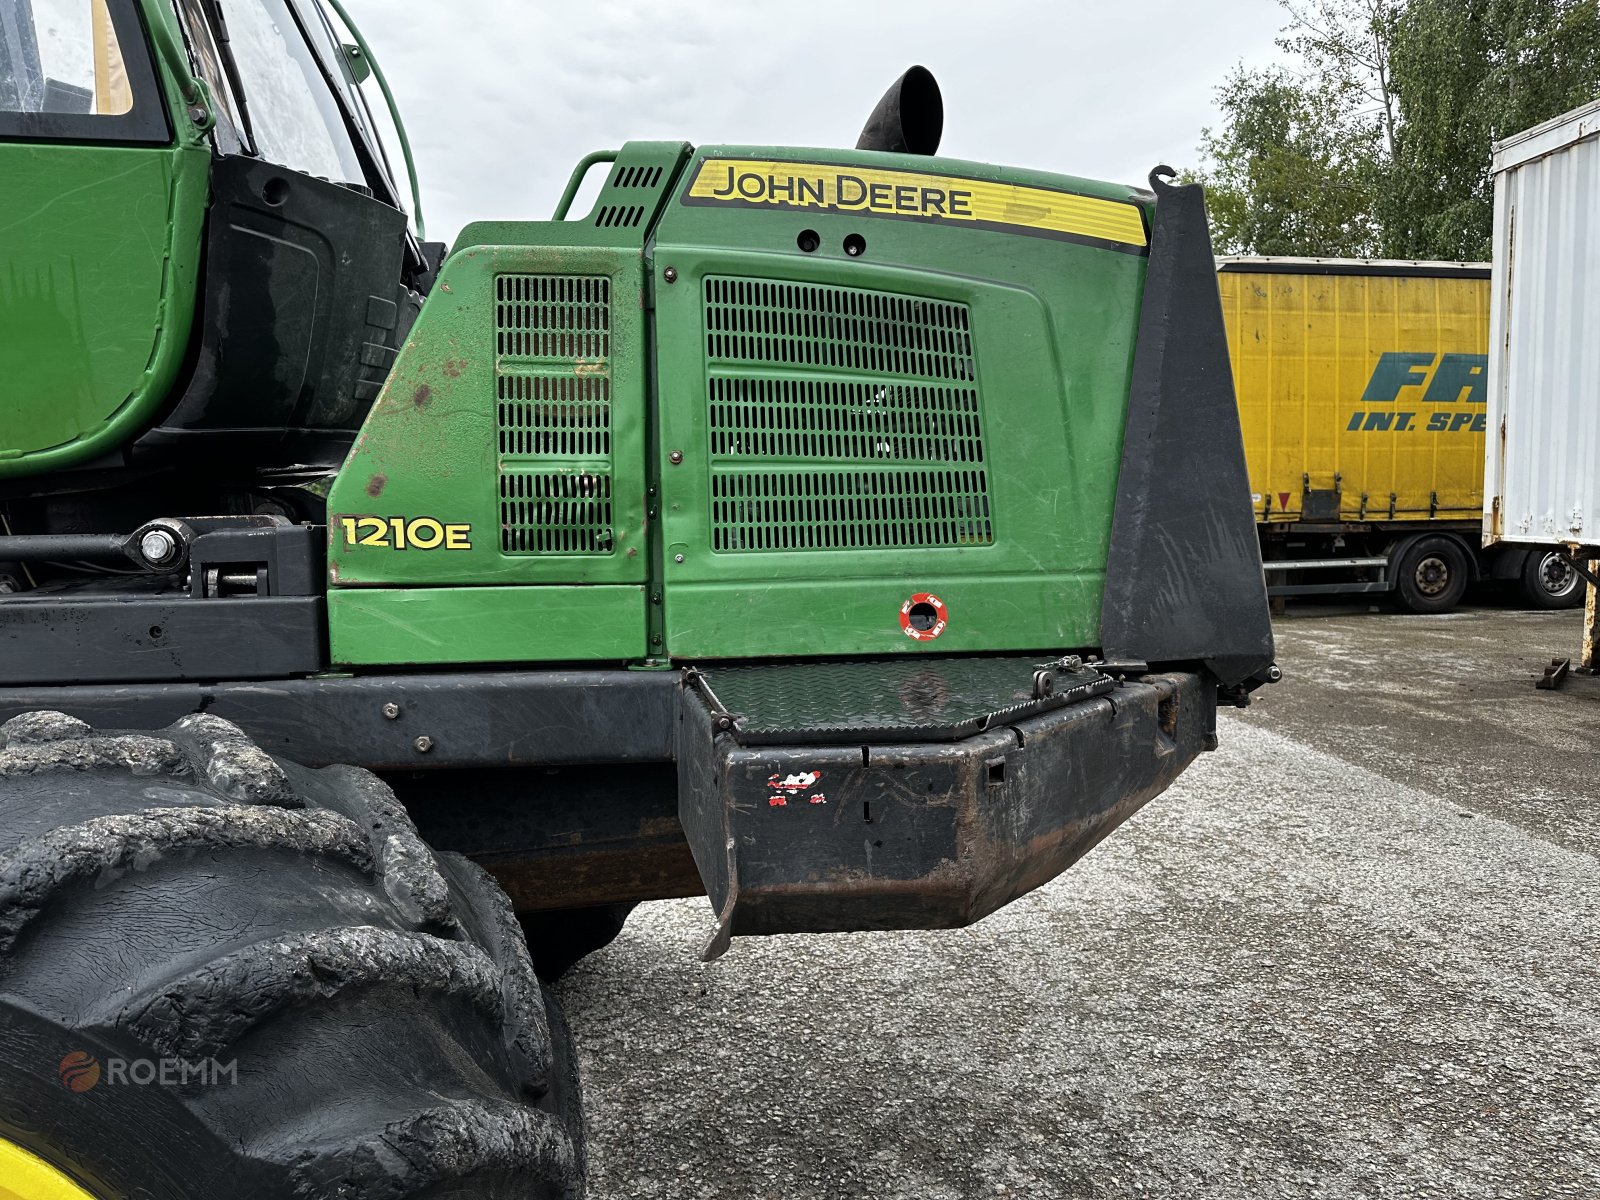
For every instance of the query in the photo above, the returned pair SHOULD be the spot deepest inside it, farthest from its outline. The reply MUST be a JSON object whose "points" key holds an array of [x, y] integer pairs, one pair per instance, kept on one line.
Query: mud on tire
{"points": [[281, 989]]}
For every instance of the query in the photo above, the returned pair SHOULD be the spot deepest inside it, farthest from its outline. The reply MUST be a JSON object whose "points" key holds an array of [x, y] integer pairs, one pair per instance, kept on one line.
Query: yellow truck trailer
{"points": [[1362, 391]]}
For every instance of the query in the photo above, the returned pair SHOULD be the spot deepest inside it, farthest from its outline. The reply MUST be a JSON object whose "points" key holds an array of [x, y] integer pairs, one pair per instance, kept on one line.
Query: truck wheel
{"points": [[1432, 575], [222, 974], [1548, 581]]}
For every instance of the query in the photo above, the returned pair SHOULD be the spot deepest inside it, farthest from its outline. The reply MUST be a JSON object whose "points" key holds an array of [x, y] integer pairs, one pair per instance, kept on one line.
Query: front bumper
{"points": [[936, 801], [792, 839]]}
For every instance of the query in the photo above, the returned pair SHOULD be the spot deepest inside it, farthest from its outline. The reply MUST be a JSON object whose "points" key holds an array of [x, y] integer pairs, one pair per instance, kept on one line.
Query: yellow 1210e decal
{"points": [[406, 533], [914, 195]]}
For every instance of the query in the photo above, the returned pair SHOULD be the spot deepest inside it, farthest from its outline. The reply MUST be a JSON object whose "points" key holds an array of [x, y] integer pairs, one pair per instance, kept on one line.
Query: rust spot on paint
{"points": [[376, 484], [423, 396], [452, 367]]}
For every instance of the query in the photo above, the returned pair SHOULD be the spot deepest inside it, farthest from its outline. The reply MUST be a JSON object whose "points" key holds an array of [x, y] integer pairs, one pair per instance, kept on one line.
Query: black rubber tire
{"points": [[184, 899], [1432, 575], [561, 938], [1548, 581]]}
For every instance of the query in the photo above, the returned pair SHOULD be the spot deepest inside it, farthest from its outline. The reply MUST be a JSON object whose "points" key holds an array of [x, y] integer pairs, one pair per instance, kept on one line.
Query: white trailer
{"points": [[1542, 469]]}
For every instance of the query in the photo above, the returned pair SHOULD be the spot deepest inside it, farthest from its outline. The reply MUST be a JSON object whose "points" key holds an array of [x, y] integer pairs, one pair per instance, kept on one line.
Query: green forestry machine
{"points": [[853, 536]]}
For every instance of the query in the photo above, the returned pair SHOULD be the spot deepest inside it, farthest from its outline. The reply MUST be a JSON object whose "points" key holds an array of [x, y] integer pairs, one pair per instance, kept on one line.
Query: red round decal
{"points": [[923, 617]]}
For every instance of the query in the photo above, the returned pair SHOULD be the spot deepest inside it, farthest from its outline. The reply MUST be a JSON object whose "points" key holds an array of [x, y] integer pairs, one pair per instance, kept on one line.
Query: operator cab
{"points": [[208, 265]]}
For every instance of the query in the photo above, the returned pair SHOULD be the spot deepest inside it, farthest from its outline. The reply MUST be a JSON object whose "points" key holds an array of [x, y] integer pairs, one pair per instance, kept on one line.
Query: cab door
{"points": [[100, 215]]}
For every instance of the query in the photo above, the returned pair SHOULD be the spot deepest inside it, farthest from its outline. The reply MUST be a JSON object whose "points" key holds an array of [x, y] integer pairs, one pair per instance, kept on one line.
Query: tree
{"points": [[1288, 172], [1376, 138], [1468, 73]]}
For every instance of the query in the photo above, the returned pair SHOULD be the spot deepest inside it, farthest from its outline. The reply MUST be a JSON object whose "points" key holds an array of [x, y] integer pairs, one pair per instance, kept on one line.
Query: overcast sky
{"points": [[502, 98]]}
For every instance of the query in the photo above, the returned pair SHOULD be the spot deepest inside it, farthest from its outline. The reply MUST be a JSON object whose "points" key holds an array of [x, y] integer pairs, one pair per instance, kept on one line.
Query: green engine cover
{"points": [[760, 403]]}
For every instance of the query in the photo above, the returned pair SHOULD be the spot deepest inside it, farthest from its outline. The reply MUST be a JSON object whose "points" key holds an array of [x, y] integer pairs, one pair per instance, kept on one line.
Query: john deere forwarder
{"points": [[856, 536]]}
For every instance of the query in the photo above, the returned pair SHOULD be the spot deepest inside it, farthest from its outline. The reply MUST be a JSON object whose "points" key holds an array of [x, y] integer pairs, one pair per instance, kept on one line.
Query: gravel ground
{"points": [[1350, 954]]}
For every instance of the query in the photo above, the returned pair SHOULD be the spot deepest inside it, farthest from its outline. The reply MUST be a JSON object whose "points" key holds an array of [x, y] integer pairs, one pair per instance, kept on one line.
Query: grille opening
{"points": [[554, 416], [552, 316], [637, 177], [849, 510], [795, 324], [555, 513], [843, 419], [619, 217]]}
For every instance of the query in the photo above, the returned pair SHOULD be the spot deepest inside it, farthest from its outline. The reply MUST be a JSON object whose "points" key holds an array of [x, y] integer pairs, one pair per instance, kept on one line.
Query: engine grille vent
{"points": [[561, 416], [619, 216], [552, 316], [553, 414], [842, 419], [555, 512], [637, 177], [849, 510], [808, 325]]}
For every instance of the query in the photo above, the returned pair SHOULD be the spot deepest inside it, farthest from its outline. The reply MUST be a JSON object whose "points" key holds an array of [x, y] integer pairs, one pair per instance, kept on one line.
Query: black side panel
{"points": [[164, 636], [1184, 582], [489, 719], [303, 312]]}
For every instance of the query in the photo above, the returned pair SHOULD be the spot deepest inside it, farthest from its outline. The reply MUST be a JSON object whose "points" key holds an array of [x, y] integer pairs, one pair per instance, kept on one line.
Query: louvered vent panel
{"points": [[842, 419], [849, 510], [808, 325], [554, 512], [561, 416], [553, 414], [553, 316]]}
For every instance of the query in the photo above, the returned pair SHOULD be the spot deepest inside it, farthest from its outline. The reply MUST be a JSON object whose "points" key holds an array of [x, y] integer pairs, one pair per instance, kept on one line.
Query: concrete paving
{"points": [[1352, 953]]}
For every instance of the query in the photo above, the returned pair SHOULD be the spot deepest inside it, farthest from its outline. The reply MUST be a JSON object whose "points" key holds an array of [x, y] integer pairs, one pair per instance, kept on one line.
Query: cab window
{"points": [[76, 70], [293, 117]]}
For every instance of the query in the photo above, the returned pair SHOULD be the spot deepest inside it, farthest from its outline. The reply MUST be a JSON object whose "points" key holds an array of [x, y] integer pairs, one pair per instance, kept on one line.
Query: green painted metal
{"points": [[575, 180], [516, 420], [97, 294], [190, 102], [98, 287], [971, 456], [800, 444], [453, 625]]}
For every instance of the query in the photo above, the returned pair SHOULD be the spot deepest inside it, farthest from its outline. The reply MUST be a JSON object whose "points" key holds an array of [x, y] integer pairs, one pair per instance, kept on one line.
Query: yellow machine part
{"points": [[24, 1176], [1363, 380]]}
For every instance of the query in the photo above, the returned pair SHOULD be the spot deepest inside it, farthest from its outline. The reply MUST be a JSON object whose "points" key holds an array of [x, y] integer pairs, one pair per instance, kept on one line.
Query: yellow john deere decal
{"points": [[909, 194]]}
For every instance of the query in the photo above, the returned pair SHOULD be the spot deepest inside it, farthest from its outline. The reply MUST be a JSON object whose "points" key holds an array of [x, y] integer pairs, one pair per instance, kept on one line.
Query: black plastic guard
{"points": [[1183, 580]]}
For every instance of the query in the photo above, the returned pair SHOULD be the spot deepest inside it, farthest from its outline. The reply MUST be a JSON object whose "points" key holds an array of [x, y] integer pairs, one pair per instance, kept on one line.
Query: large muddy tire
{"points": [[1548, 581], [1432, 575], [226, 975]]}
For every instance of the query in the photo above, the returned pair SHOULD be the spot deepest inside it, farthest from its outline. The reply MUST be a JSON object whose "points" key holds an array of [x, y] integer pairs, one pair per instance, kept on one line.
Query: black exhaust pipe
{"points": [[910, 117]]}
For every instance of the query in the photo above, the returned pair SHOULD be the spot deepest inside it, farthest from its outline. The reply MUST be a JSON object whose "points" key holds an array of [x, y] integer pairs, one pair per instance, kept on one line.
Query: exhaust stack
{"points": [[910, 117]]}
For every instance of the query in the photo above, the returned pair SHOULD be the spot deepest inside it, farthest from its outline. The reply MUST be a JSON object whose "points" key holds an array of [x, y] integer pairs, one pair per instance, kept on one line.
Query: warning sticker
{"points": [[920, 196], [794, 786]]}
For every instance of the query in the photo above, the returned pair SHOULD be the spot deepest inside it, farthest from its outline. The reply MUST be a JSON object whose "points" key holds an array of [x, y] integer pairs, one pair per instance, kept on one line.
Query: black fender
{"points": [[1183, 578]]}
